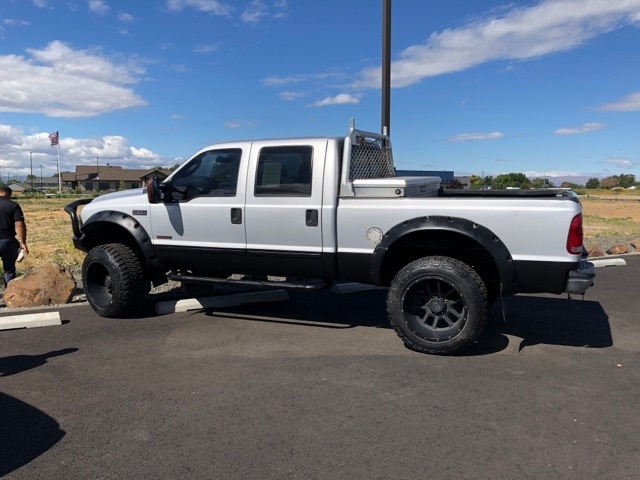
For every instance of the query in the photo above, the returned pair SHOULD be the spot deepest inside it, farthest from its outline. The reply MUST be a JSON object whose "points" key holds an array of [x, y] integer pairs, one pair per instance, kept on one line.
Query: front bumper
{"points": [[581, 278], [76, 223]]}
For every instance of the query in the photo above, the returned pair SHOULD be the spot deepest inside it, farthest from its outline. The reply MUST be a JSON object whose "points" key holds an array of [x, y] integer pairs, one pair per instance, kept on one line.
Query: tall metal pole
{"points": [[31, 165], [386, 67], [41, 183]]}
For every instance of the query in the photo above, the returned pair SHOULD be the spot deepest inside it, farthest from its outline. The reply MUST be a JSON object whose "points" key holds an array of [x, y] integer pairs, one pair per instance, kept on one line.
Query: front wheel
{"points": [[437, 305], [114, 280]]}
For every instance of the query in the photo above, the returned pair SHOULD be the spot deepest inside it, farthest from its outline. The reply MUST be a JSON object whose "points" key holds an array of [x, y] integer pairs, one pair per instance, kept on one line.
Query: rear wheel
{"points": [[437, 305], [114, 280]]}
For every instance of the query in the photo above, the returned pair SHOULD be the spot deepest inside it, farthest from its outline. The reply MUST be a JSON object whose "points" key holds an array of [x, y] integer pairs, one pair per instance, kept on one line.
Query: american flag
{"points": [[54, 139]]}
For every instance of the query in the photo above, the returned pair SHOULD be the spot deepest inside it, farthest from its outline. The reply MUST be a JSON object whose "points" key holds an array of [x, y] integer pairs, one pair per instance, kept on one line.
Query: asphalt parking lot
{"points": [[319, 387]]}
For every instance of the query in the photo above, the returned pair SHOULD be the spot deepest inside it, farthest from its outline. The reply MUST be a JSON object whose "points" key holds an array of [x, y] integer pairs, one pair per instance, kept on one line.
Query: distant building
{"points": [[108, 178]]}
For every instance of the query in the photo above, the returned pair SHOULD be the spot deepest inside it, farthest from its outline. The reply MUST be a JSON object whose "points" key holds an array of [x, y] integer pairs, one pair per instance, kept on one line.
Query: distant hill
{"points": [[577, 179]]}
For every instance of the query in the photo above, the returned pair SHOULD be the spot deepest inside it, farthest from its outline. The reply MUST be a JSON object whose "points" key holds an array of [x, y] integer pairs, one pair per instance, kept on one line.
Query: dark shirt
{"points": [[10, 213]]}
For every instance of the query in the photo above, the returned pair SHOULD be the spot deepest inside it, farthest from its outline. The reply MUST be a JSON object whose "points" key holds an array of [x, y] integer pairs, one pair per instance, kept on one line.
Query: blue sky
{"points": [[546, 87]]}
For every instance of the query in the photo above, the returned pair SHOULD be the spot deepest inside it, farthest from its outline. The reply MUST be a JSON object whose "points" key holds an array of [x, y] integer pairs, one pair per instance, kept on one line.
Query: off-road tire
{"points": [[437, 305], [114, 280]]}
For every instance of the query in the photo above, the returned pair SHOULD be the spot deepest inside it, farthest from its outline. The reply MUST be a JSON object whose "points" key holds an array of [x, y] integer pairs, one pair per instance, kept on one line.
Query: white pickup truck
{"points": [[330, 209]]}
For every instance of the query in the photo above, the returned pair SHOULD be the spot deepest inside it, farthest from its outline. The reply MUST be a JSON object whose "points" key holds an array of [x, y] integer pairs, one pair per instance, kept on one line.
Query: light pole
{"points": [[31, 165], [386, 67], [41, 183]]}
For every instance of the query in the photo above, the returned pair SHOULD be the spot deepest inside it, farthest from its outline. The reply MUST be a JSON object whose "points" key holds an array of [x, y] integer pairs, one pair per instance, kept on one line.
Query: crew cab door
{"points": [[200, 227], [284, 205]]}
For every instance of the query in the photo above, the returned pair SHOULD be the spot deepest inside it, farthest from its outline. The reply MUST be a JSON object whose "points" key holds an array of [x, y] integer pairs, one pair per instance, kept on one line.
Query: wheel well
{"points": [[101, 233], [452, 244], [104, 232]]}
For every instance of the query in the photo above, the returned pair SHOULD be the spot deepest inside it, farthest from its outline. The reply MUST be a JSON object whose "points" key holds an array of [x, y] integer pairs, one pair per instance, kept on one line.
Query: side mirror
{"points": [[153, 190]]}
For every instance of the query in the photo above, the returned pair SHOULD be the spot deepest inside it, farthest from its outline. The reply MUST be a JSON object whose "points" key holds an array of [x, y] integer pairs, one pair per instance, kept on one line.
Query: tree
{"points": [[610, 182], [593, 183], [627, 180], [475, 182], [542, 183], [518, 180]]}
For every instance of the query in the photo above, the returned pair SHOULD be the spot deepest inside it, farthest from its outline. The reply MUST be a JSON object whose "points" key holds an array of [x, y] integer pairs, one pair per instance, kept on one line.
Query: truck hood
{"points": [[123, 197], [124, 200]]}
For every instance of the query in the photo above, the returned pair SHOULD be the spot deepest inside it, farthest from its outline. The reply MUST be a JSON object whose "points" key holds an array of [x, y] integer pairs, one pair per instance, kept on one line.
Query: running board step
{"points": [[179, 277]]}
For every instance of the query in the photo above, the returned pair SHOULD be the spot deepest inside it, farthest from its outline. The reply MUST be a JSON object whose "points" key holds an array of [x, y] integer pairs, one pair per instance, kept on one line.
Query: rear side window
{"points": [[284, 171]]}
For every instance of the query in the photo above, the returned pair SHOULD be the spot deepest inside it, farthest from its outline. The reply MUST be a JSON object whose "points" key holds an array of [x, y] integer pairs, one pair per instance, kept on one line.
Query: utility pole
{"points": [[41, 182], [386, 67], [31, 165]]}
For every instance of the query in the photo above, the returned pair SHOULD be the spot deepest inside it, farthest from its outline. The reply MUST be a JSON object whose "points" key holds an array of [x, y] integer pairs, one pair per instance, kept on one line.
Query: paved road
{"points": [[319, 387]]}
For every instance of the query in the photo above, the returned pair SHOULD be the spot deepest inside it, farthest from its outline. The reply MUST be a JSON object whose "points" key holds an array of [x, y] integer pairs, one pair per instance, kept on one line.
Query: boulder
{"points": [[618, 250], [51, 284], [595, 252], [636, 244]]}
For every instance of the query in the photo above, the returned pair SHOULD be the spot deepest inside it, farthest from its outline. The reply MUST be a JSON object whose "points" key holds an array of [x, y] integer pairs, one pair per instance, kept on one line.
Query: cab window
{"points": [[284, 171], [213, 174]]}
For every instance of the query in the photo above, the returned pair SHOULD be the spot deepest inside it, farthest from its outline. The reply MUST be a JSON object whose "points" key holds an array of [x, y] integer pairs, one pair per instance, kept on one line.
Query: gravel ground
{"points": [[599, 246]]}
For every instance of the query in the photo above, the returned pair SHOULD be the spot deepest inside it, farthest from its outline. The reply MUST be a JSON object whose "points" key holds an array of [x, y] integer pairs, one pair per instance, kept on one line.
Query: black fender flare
{"points": [[480, 234], [138, 233]]}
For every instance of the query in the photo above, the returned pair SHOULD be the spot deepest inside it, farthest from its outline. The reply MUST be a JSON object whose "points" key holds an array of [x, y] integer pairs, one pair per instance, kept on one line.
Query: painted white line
{"points": [[176, 306], [30, 320], [609, 262]]}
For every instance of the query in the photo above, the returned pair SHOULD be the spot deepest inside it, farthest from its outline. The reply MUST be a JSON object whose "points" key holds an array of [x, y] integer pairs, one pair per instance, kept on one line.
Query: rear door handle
{"points": [[312, 218], [236, 216]]}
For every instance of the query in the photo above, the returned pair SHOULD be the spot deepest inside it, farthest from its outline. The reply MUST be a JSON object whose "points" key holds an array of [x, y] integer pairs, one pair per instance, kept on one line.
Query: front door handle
{"points": [[236, 216], [312, 218]]}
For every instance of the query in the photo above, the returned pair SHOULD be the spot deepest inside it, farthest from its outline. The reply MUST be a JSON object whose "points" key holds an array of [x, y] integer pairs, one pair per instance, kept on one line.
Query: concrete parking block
{"points": [[176, 306], [609, 262], [30, 320]]}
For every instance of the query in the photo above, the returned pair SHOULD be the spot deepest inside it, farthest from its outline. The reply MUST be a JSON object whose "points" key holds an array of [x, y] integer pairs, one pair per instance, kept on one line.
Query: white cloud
{"points": [[623, 163], [584, 128], [465, 137], [340, 99], [289, 96], [206, 48], [214, 7], [522, 33], [255, 11], [40, 3], [630, 103], [19, 150], [258, 10], [99, 7], [273, 81], [125, 17], [15, 22], [61, 82], [238, 124]]}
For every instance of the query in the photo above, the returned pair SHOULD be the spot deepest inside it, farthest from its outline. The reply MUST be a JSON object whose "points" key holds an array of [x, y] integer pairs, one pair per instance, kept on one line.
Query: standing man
{"points": [[11, 224]]}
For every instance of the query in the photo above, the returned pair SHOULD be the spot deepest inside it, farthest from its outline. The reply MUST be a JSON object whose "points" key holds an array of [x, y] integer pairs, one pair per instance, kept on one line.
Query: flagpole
{"points": [[59, 176]]}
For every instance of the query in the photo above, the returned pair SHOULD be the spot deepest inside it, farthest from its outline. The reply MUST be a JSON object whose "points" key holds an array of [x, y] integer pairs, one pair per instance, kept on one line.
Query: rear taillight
{"points": [[574, 239]]}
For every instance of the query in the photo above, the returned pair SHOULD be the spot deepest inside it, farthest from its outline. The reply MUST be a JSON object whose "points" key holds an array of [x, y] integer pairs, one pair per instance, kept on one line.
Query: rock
{"points": [[636, 244], [51, 284], [595, 252], [618, 250]]}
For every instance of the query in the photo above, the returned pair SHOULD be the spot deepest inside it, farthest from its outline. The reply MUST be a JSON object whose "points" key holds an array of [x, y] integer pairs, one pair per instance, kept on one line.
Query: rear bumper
{"points": [[581, 278]]}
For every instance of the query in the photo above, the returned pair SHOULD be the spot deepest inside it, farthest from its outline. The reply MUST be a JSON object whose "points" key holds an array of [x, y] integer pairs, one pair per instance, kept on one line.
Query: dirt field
{"points": [[610, 221], [607, 221]]}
